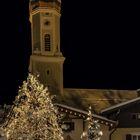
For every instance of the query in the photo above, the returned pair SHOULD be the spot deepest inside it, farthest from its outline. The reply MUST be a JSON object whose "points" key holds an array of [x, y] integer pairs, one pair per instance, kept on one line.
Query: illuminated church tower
{"points": [[46, 58]]}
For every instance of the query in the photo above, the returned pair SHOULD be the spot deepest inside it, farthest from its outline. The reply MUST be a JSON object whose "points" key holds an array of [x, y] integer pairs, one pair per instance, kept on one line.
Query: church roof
{"points": [[46, 0], [99, 99]]}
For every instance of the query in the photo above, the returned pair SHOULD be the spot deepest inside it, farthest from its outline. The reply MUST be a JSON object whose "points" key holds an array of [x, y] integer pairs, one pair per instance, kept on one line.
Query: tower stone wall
{"points": [[46, 58]]}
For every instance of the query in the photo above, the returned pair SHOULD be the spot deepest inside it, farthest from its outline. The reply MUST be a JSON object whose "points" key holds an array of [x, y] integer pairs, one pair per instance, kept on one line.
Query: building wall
{"points": [[79, 128], [2, 138], [131, 112], [106, 132], [120, 133]]}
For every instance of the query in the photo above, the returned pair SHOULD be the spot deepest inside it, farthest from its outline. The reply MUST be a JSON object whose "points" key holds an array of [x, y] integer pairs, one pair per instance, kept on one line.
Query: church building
{"points": [[47, 60]]}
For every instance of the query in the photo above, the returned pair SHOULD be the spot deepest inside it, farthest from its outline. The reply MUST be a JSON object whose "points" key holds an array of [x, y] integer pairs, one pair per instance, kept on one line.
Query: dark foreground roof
{"points": [[121, 105]]}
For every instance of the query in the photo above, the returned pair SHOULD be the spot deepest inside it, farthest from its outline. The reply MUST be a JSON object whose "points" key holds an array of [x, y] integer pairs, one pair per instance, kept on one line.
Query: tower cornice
{"points": [[53, 4], [44, 10], [48, 59]]}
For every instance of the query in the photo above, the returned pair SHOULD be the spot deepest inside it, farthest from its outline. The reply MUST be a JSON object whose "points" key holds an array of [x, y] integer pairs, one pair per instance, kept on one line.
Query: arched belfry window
{"points": [[47, 42]]}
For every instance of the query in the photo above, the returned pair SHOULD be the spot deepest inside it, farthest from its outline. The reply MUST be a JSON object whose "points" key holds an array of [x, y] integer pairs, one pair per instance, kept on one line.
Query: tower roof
{"points": [[46, 0], [45, 3]]}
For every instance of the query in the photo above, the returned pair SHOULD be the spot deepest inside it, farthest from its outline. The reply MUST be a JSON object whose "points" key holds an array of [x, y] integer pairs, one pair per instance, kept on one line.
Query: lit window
{"points": [[47, 41], [67, 126], [136, 116], [133, 137]]}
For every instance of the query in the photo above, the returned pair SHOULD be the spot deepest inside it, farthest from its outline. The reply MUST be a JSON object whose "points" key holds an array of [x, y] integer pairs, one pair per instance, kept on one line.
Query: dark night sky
{"points": [[99, 40]]}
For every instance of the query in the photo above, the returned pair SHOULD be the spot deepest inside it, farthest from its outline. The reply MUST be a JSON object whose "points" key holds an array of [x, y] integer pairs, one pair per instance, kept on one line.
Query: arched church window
{"points": [[47, 41]]}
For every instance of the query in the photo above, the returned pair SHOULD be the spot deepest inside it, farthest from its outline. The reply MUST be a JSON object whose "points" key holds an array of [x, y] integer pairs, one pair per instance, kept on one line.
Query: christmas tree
{"points": [[33, 115], [93, 130]]}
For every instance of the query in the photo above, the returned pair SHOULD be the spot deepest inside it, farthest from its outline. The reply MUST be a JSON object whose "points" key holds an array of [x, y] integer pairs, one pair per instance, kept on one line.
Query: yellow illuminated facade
{"points": [[46, 58]]}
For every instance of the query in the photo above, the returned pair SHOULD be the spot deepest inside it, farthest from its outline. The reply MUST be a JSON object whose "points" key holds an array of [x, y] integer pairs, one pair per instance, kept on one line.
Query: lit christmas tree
{"points": [[93, 130], [33, 116]]}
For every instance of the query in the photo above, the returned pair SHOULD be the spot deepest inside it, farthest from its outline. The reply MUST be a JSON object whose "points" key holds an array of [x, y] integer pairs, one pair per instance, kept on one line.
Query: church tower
{"points": [[46, 58]]}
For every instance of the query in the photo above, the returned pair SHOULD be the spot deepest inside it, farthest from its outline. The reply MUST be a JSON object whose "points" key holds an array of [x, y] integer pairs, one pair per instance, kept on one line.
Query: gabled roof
{"points": [[120, 105], [84, 114], [99, 99]]}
